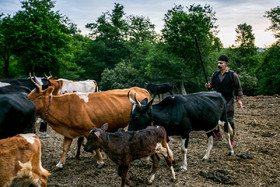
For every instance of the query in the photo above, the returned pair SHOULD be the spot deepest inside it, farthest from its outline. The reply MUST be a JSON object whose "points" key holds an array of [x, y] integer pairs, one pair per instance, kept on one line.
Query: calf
{"points": [[157, 89], [181, 114], [20, 158], [124, 147]]}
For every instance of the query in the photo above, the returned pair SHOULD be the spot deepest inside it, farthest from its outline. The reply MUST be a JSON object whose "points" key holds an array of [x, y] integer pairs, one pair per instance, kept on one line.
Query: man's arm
{"points": [[238, 90]]}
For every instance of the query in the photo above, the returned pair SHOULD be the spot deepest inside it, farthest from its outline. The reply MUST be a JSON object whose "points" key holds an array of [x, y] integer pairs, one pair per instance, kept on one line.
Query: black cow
{"points": [[25, 81], [17, 115], [181, 114], [157, 89], [14, 89]]}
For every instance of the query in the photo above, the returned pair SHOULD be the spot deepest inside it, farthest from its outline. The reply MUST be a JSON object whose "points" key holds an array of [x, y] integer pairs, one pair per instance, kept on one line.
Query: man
{"points": [[227, 83]]}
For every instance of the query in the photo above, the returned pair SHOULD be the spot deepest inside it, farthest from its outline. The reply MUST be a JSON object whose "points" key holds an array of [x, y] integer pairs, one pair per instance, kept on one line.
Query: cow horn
{"points": [[37, 81], [132, 102], [48, 77], [50, 74], [37, 85], [137, 102]]}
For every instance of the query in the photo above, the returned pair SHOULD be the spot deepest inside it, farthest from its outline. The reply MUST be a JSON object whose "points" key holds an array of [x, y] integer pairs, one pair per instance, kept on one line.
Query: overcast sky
{"points": [[229, 13]]}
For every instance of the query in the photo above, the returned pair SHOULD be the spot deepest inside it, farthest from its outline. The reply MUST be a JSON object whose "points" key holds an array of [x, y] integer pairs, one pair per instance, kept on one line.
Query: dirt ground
{"points": [[257, 144]]}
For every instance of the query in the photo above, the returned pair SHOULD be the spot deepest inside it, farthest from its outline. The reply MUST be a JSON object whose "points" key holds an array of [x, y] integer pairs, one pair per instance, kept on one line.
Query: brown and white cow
{"points": [[63, 86], [124, 147], [75, 114], [20, 158]]}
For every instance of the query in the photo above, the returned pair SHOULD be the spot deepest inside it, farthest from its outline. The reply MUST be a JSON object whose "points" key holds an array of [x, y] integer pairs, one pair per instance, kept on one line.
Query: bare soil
{"points": [[256, 161]]}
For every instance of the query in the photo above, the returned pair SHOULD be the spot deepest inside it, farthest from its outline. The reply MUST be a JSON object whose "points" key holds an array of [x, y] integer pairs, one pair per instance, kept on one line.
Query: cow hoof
{"points": [[230, 153], [59, 166], [183, 169], [99, 166], [173, 180], [204, 159]]}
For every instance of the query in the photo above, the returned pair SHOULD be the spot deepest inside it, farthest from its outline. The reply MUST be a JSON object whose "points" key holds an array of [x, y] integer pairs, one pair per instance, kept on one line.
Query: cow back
{"points": [[17, 115], [75, 114]]}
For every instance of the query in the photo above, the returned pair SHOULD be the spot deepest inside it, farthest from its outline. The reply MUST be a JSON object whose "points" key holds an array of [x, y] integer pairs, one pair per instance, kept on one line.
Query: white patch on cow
{"points": [[184, 151], [29, 137], [26, 171], [210, 145], [222, 123], [59, 165], [170, 153], [83, 96], [4, 84], [151, 179], [173, 173], [161, 149]]}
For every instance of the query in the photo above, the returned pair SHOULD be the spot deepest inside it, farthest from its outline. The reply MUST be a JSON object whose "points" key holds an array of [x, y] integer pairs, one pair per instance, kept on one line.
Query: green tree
{"points": [[122, 76], [245, 39], [42, 37], [110, 26], [109, 46], [268, 72], [274, 16], [140, 30], [7, 43], [178, 35]]}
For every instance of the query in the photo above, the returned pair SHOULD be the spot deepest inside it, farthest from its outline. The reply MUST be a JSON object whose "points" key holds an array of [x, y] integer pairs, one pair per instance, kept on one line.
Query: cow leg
{"points": [[155, 159], [169, 159], [210, 145], [66, 145], [184, 149], [100, 162], [227, 134], [122, 172], [80, 142]]}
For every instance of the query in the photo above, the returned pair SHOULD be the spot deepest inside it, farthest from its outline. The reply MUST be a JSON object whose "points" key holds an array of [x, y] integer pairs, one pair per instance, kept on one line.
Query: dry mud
{"points": [[257, 141]]}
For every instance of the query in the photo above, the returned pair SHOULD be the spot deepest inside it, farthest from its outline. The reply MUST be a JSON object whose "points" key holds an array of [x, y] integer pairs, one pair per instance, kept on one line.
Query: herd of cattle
{"points": [[77, 109]]}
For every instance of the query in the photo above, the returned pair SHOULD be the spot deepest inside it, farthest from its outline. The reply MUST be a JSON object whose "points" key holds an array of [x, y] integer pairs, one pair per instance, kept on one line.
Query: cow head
{"points": [[95, 138], [39, 96], [141, 114]]}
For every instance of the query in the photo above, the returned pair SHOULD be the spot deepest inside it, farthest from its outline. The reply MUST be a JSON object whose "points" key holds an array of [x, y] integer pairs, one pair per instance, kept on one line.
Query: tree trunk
{"points": [[183, 91]]}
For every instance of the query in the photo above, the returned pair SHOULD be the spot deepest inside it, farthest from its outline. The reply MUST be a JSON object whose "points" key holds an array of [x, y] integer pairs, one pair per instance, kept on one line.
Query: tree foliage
{"points": [[124, 51], [274, 16]]}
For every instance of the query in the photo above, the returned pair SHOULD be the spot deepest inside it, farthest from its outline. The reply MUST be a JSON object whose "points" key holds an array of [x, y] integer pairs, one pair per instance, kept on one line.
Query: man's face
{"points": [[222, 65]]}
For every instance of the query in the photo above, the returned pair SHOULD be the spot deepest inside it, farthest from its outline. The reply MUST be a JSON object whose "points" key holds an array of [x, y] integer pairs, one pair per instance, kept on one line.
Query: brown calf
{"points": [[124, 147], [20, 158]]}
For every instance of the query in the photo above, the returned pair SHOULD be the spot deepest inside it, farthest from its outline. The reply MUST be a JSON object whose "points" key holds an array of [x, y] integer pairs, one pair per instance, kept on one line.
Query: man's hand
{"points": [[239, 102], [207, 85]]}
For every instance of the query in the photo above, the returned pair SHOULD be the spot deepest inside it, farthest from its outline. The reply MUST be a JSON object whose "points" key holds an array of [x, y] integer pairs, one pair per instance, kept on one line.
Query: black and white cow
{"points": [[17, 115], [181, 114], [25, 81], [157, 89]]}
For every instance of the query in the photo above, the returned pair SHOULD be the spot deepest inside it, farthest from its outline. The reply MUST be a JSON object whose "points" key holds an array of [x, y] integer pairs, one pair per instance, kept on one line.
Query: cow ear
{"points": [[49, 90], [150, 103], [144, 101], [148, 106], [104, 126], [97, 134]]}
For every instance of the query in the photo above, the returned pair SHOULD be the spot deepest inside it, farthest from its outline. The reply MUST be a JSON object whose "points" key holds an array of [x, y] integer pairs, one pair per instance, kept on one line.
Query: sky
{"points": [[229, 14]]}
